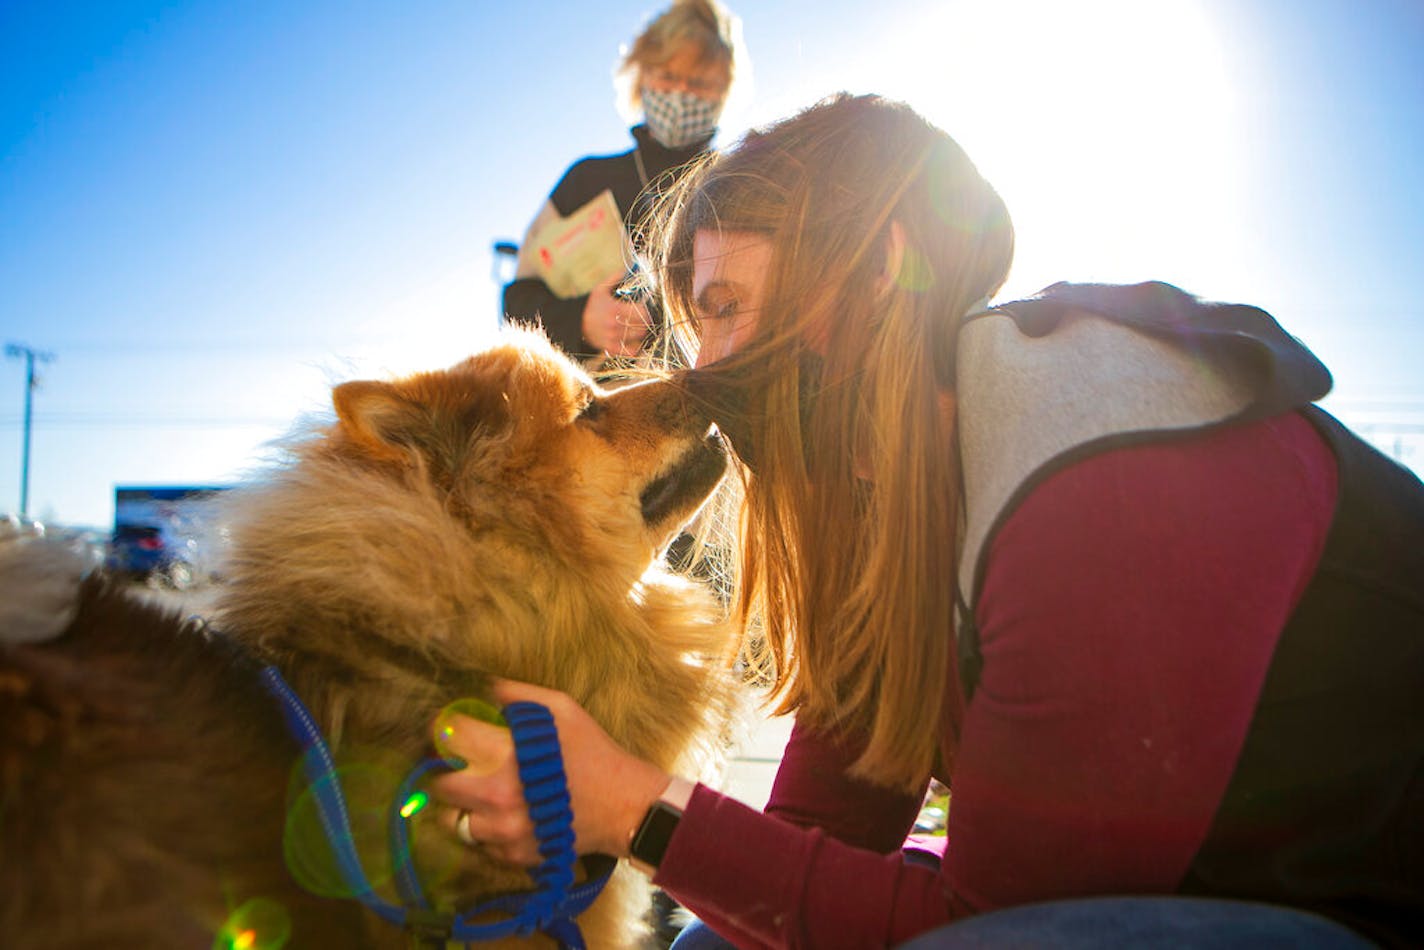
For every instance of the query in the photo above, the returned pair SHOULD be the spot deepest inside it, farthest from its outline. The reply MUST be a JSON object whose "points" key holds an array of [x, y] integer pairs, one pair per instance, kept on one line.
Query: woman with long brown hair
{"points": [[1092, 559]]}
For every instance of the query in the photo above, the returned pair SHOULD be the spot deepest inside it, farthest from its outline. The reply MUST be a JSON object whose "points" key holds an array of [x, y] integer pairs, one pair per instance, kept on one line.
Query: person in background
{"points": [[677, 74], [1094, 559]]}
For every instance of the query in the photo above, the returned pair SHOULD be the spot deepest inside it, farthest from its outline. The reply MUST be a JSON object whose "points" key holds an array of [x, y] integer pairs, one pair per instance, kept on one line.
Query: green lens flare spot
{"points": [[916, 272], [259, 924], [414, 805], [475, 709], [470, 707], [368, 790]]}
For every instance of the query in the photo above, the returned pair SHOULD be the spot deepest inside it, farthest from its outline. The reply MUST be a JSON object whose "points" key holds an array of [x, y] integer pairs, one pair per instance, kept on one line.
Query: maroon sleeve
{"points": [[1127, 620], [813, 789], [762, 882]]}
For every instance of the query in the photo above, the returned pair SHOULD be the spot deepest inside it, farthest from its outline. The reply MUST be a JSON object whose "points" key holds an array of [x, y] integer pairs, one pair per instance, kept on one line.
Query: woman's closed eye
{"points": [[720, 308]]}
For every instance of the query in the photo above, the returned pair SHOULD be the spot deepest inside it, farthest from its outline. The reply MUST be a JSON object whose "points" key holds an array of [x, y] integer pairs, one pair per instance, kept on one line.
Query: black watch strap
{"points": [[650, 839]]}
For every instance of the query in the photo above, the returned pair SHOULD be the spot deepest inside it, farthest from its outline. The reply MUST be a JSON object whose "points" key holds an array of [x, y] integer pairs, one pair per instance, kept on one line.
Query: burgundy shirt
{"points": [[1129, 612]]}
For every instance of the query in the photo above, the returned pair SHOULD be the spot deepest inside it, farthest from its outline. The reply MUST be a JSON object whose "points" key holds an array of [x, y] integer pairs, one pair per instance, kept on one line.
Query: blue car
{"points": [[156, 534], [136, 550]]}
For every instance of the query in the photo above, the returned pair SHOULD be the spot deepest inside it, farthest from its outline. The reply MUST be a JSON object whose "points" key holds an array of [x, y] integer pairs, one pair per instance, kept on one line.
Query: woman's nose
{"points": [[712, 350]]}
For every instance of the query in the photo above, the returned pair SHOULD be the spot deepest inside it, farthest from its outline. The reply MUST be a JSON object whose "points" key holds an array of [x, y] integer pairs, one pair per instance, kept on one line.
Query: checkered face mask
{"points": [[677, 119]]}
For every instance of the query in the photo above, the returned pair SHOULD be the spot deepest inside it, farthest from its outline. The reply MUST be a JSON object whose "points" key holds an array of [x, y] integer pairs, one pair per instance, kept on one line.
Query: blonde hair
{"points": [[848, 527], [704, 25]]}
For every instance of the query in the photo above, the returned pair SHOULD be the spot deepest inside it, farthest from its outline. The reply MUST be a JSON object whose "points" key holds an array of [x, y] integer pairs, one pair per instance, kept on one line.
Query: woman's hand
{"points": [[609, 789], [616, 325]]}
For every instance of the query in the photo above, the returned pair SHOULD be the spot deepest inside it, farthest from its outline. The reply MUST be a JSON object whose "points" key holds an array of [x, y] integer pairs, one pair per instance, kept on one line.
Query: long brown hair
{"points": [[848, 524]]}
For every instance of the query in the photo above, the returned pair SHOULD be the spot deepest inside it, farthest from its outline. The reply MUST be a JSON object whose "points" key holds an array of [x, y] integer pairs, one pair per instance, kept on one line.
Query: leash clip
{"points": [[428, 929]]}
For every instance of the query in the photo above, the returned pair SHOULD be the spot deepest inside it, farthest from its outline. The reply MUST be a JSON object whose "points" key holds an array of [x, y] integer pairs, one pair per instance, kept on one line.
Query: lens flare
{"points": [[311, 859], [259, 924], [489, 753], [470, 707], [916, 272], [956, 203], [414, 805], [475, 709]]}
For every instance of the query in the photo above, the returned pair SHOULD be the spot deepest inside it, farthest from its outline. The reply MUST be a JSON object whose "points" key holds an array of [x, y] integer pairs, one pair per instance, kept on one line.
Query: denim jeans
{"points": [[1177, 922]]}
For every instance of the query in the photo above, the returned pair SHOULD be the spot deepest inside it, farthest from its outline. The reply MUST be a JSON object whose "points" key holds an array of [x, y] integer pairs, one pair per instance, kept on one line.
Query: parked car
{"points": [[157, 532], [135, 550], [151, 554]]}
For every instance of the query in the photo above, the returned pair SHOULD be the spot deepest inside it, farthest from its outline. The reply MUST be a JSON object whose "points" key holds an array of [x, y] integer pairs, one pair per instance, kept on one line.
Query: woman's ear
{"points": [[894, 258]]}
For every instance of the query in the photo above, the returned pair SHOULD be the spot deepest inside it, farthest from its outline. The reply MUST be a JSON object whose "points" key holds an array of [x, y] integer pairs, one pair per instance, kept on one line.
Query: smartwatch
{"points": [[650, 839]]}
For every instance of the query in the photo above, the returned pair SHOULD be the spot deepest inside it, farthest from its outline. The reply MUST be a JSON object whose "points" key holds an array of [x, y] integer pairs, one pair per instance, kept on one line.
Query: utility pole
{"points": [[30, 356]]}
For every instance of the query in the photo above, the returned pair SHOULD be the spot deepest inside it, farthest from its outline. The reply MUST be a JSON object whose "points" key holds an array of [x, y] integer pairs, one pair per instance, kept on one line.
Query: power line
{"points": [[87, 420]]}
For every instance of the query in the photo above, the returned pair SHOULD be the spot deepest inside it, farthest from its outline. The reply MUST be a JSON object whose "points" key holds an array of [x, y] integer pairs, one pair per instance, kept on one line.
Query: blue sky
{"points": [[210, 212]]}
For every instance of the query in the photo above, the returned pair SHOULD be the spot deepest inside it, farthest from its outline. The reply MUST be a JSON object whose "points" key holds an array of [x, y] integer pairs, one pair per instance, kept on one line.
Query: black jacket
{"points": [[528, 298]]}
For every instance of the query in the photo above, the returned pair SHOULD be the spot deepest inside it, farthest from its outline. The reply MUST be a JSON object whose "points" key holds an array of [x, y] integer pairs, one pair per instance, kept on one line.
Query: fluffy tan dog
{"points": [[503, 517]]}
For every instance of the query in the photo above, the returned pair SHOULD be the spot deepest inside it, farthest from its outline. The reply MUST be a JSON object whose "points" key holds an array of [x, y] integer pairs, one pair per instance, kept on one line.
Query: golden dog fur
{"points": [[504, 517]]}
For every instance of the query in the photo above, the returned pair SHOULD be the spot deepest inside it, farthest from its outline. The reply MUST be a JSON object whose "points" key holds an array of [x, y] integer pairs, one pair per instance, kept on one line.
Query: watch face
{"points": [[651, 842]]}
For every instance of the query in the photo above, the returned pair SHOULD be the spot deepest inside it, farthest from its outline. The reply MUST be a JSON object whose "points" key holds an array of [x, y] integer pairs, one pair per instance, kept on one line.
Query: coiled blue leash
{"points": [[549, 909]]}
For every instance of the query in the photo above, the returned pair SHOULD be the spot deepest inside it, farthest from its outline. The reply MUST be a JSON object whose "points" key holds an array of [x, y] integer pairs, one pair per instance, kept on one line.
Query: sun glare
{"points": [[1107, 125]]}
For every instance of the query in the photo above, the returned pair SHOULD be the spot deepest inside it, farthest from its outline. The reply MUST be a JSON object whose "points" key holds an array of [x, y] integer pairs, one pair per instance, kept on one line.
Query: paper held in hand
{"points": [[577, 253]]}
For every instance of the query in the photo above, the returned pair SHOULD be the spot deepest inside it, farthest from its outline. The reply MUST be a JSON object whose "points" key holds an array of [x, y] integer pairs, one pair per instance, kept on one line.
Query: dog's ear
{"points": [[378, 418]]}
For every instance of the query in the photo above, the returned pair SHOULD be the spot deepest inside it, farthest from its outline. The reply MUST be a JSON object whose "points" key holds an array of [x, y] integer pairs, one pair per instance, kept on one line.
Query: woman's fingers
{"points": [[502, 832], [484, 747], [486, 800], [507, 837], [609, 788]]}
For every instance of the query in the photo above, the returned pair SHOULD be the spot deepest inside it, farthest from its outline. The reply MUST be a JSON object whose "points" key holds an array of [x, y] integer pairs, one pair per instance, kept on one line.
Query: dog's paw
{"points": [[39, 582]]}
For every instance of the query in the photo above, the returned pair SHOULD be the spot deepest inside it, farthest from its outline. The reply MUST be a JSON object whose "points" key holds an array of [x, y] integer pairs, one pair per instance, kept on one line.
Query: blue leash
{"points": [[550, 909]]}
